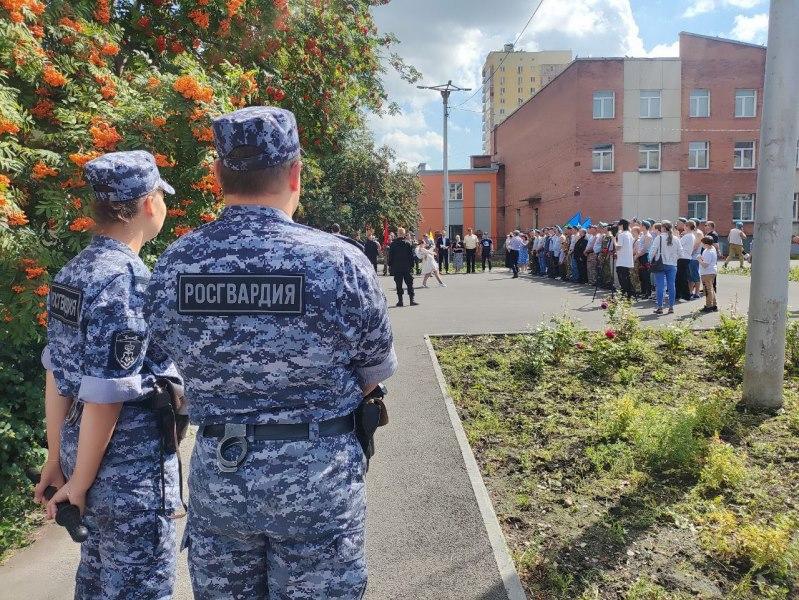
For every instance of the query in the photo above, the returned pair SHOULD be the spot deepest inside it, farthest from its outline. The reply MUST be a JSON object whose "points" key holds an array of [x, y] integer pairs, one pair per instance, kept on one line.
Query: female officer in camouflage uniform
{"points": [[100, 365]]}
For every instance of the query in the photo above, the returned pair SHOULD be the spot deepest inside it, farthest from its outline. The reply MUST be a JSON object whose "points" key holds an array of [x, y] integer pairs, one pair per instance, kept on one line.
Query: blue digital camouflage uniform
{"points": [[99, 352], [270, 321]]}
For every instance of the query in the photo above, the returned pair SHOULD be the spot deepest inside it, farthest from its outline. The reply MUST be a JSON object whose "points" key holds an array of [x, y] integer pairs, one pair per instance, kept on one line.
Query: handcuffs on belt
{"points": [[235, 435]]}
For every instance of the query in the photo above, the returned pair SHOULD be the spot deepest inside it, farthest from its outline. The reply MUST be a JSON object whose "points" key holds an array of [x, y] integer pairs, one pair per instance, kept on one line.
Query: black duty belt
{"points": [[233, 437], [286, 431]]}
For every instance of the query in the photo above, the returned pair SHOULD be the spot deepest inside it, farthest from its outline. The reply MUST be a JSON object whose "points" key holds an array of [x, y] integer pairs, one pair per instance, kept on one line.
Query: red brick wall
{"points": [[542, 142], [722, 68]]}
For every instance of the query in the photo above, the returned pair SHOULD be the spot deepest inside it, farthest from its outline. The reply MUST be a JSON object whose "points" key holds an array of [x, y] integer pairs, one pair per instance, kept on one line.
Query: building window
{"points": [[520, 101], [745, 103], [532, 91], [796, 208], [602, 158], [519, 69], [502, 80], [456, 192], [519, 80], [519, 90], [699, 103], [502, 68], [698, 155], [502, 110], [501, 90], [604, 105], [744, 155], [532, 79], [502, 100], [650, 104], [649, 157], [743, 207], [797, 154], [697, 207]]}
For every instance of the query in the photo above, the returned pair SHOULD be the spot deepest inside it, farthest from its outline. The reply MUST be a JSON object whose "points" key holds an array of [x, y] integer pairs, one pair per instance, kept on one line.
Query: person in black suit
{"points": [[401, 259]]}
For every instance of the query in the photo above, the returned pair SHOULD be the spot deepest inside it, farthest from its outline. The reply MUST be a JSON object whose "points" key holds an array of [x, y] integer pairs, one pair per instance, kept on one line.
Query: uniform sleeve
{"points": [[366, 325], [116, 344], [47, 363]]}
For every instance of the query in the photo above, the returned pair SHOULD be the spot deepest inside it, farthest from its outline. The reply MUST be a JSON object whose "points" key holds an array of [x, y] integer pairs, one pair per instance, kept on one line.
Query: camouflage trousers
{"points": [[128, 557], [287, 525], [132, 548]]}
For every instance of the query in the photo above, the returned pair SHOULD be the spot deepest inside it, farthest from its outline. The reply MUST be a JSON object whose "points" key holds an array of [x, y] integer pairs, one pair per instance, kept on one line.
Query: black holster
{"points": [[370, 415], [167, 404]]}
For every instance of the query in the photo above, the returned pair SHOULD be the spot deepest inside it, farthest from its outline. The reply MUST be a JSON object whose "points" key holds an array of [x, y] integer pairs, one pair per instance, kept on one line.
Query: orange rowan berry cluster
{"points": [[81, 159], [7, 126], [188, 87], [104, 135], [181, 230], [34, 272], [200, 18], [81, 224], [52, 77], [163, 161], [41, 170], [176, 212], [102, 11]]}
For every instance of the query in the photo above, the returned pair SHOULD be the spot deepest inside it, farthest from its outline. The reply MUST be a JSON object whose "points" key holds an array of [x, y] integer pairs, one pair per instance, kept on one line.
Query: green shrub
{"points": [[615, 416], [715, 412], [792, 346], [533, 357], [616, 459], [646, 589], [675, 341], [623, 319], [663, 439], [729, 347], [723, 467], [21, 440], [770, 548]]}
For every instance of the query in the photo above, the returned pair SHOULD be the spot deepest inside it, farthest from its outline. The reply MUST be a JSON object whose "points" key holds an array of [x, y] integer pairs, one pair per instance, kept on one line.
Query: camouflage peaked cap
{"points": [[124, 176], [270, 130]]}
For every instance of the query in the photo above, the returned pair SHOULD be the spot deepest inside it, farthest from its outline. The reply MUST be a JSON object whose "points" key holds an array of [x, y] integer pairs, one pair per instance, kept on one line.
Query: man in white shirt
{"points": [[513, 246], [624, 258], [470, 242], [735, 240]]}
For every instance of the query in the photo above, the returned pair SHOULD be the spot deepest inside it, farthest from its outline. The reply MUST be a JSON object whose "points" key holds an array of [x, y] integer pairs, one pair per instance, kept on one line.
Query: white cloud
{"points": [[700, 7], [751, 29], [669, 50], [414, 148]]}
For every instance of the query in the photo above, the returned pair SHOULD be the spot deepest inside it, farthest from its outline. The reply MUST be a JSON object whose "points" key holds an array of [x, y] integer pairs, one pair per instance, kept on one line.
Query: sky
{"points": [[449, 39]]}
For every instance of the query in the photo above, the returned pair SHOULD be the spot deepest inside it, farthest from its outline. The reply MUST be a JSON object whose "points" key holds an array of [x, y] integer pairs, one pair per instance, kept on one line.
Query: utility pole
{"points": [[768, 296], [445, 90]]}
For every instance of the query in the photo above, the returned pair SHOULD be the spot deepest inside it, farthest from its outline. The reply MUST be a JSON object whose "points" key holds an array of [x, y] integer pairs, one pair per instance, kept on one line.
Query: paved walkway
{"points": [[426, 538]]}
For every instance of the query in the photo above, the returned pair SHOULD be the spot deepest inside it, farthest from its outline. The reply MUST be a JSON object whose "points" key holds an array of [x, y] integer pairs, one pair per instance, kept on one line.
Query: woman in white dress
{"points": [[429, 265]]}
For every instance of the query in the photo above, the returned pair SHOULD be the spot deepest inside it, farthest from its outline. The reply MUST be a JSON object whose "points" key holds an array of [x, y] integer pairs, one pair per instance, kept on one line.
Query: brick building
{"points": [[473, 195], [658, 138]]}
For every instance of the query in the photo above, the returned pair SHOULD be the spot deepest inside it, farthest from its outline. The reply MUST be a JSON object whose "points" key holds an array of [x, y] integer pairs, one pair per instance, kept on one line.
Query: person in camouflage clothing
{"points": [[100, 362], [278, 330]]}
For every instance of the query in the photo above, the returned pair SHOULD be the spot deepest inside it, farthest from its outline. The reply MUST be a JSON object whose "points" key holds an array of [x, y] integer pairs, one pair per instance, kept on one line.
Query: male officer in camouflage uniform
{"points": [[99, 364], [278, 330]]}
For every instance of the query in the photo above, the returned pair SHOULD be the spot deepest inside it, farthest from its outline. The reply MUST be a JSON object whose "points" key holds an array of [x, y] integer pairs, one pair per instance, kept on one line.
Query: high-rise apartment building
{"points": [[511, 77]]}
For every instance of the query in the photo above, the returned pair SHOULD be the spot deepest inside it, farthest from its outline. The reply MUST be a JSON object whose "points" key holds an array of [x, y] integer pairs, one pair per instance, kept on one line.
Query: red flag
{"points": [[385, 232]]}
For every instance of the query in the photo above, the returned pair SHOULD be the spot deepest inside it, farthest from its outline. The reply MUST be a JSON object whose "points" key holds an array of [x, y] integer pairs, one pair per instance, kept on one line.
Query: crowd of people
{"points": [[641, 259], [644, 259]]}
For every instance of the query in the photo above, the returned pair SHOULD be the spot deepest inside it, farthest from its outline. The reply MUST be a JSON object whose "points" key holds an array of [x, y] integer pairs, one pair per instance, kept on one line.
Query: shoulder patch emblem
{"points": [[127, 348], [65, 303]]}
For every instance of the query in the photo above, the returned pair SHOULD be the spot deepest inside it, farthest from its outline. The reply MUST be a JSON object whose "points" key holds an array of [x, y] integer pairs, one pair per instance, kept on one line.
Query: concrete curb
{"points": [[507, 570]]}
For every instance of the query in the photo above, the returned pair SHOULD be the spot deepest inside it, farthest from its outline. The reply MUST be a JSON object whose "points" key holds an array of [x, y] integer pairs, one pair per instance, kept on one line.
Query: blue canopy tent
{"points": [[586, 224]]}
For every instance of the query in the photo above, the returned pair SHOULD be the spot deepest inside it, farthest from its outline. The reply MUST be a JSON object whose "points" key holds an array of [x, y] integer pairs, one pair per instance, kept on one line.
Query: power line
{"points": [[518, 37]]}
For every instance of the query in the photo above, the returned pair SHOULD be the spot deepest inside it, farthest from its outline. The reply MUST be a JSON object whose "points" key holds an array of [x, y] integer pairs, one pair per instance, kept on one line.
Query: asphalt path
{"points": [[426, 538]]}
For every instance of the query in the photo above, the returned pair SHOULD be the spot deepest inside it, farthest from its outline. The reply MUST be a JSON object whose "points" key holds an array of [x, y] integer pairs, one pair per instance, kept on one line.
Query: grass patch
{"points": [[621, 466], [746, 271]]}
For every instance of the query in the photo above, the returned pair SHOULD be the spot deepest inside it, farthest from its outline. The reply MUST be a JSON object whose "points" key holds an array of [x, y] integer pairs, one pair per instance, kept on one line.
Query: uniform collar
{"points": [[103, 241], [254, 210]]}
